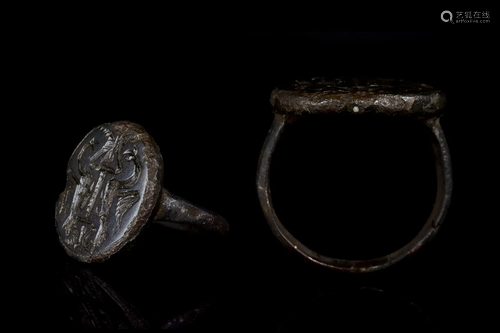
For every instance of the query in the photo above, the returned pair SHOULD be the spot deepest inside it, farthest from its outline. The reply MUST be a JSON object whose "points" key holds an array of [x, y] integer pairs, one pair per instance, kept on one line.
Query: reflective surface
{"points": [[249, 282]]}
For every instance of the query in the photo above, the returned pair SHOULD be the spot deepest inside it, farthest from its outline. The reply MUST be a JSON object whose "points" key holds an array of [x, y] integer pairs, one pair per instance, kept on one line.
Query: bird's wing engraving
{"points": [[125, 201]]}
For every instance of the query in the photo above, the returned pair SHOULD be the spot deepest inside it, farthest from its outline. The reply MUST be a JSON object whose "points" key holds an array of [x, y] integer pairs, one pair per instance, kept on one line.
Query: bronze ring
{"points": [[114, 187], [358, 96]]}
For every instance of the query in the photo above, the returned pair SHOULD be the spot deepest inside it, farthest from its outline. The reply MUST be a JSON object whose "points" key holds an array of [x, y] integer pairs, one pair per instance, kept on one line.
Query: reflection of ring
{"points": [[114, 186], [358, 96], [90, 300]]}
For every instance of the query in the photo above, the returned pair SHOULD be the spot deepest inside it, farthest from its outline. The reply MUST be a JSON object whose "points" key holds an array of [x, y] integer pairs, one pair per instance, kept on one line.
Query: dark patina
{"points": [[358, 96], [114, 186]]}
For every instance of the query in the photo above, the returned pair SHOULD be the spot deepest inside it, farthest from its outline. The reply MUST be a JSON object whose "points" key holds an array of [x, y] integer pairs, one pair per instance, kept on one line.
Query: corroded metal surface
{"points": [[321, 96], [358, 95], [114, 185], [181, 214]]}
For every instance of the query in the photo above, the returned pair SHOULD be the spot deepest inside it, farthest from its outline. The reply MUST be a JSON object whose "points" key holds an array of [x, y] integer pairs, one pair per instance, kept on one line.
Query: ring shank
{"points": [[180, 214], [443, 196]]}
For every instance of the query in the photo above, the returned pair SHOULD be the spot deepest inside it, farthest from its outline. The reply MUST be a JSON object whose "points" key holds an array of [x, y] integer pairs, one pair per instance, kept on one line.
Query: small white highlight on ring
{"points": [[355, 109]]}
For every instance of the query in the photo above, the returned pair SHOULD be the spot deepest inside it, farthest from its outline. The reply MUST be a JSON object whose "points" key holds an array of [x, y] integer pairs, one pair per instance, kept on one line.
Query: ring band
{"points": [[282, 117]]}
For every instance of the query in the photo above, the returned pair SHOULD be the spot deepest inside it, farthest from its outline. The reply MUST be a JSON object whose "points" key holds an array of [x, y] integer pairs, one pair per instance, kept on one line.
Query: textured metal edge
{"points": [[423, 105], [154, 162]]}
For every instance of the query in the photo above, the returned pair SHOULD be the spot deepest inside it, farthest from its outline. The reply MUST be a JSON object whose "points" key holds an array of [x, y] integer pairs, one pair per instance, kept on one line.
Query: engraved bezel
{"points": [[114, 180]]}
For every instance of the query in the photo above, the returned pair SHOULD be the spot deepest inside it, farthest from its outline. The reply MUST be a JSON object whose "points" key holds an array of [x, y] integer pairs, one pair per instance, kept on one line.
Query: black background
{"points": [[349, 187]]}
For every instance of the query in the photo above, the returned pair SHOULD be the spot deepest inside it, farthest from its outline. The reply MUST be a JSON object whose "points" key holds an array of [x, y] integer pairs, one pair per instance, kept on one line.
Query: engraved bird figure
{"points": [[126, 198]]}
